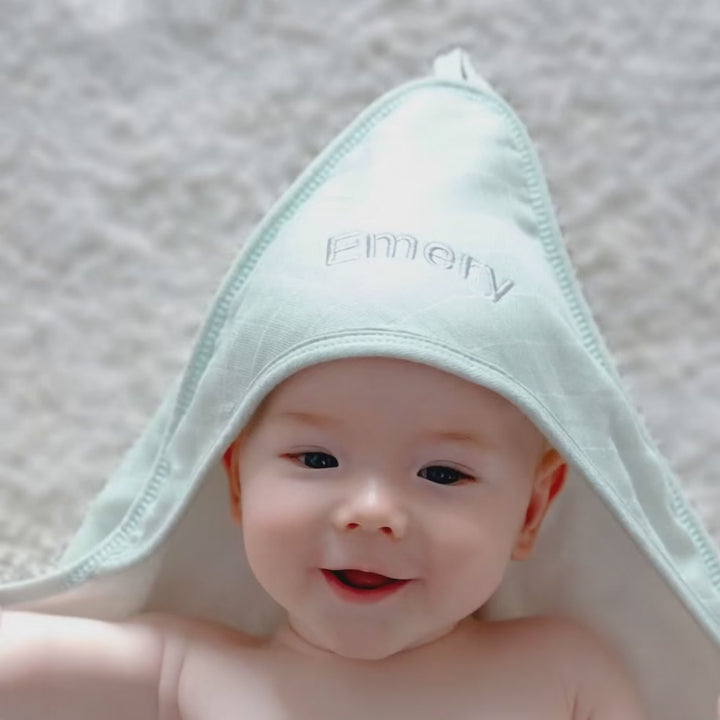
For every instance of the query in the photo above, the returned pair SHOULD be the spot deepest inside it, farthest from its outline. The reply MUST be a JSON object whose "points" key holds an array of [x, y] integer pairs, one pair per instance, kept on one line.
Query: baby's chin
{"points": [[375, 646]]}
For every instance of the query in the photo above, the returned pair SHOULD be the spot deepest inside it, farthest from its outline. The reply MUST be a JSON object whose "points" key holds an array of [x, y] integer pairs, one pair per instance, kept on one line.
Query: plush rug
{"points": [[141, 141]]}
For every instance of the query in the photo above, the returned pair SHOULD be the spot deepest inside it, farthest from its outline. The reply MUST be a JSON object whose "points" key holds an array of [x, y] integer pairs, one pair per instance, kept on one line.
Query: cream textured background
{"points": [[140, 142]]}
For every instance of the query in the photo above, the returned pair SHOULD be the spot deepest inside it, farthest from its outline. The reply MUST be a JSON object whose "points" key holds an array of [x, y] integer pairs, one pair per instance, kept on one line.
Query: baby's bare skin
{"points": [[349, 469], [540, 668], [170, 667]]}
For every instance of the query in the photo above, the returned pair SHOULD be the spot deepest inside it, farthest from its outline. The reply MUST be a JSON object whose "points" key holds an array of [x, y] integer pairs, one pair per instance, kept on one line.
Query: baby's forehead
{"points": [[395, 379], [419, 394]]}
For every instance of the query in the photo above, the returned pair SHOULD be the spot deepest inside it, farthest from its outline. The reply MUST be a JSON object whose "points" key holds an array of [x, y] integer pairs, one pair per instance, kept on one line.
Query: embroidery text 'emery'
{"points": [[351, 247]]}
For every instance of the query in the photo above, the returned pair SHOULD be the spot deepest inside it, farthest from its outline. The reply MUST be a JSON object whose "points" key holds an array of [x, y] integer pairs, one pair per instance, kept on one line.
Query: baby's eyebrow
{"points": [[458, 437], [308, 418], [323, 421]]}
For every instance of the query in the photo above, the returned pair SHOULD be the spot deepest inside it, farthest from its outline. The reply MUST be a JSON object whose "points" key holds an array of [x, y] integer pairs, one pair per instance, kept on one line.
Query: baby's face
{"points": [[391, 467]]}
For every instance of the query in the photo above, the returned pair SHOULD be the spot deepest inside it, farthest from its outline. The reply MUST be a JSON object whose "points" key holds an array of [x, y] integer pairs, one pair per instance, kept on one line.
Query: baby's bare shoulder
{"points": [[593, 671], [554, 634]]}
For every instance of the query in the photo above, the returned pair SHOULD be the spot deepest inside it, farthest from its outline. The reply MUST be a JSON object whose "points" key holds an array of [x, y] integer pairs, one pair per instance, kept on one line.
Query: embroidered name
{"points": [[351, 247]]}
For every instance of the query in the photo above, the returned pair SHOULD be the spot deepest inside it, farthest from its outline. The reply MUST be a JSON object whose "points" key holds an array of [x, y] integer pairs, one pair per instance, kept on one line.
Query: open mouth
{"points": [[357, 586], [361, 580]]}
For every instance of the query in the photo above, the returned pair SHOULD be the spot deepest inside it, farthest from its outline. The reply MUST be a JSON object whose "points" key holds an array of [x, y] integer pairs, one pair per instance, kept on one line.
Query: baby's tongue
{"points": [[365, 579]]}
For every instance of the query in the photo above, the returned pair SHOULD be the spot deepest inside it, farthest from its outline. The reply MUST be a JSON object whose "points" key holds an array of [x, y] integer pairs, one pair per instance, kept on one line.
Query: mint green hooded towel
{"points": [[424, 231]]}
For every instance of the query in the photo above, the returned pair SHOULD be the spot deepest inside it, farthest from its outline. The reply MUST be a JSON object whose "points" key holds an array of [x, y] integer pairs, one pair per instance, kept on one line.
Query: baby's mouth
{"points": [[362, 580]]}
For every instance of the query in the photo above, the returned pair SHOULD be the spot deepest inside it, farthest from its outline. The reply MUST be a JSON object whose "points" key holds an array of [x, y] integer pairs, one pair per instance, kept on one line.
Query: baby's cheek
{"points": [[275, 529], [477, 551], [270, 523]]}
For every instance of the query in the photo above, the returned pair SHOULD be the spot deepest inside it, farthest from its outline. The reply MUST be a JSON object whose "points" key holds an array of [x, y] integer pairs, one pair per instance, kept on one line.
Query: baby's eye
{"points": [[443, 475], [317, 460]]}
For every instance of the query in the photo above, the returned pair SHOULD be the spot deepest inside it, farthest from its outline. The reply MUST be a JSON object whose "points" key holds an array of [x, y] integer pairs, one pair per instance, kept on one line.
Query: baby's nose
{"points": [[372, 509]]}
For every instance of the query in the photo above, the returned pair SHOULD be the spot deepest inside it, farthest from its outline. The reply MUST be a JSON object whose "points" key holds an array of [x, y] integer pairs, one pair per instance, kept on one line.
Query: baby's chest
{"points": [[235, 689]]}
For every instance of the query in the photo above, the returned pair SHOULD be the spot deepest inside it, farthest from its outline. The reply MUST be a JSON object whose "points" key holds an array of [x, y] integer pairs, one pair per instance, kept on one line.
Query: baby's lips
{"points": [[365, 572], [361, 577], [365, 579]]}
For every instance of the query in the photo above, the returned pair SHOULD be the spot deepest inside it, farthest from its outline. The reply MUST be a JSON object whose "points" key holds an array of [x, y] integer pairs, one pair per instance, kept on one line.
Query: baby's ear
{"points": [[231, 463], [228, 459], [549, 481]]}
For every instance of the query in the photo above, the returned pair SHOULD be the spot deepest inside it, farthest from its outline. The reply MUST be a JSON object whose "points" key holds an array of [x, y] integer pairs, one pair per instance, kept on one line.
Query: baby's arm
{"points": [[77, 669]]}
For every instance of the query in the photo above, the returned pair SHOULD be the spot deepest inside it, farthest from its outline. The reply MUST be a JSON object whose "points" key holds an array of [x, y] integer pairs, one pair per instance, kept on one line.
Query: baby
{"points": [[380, 502]]}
